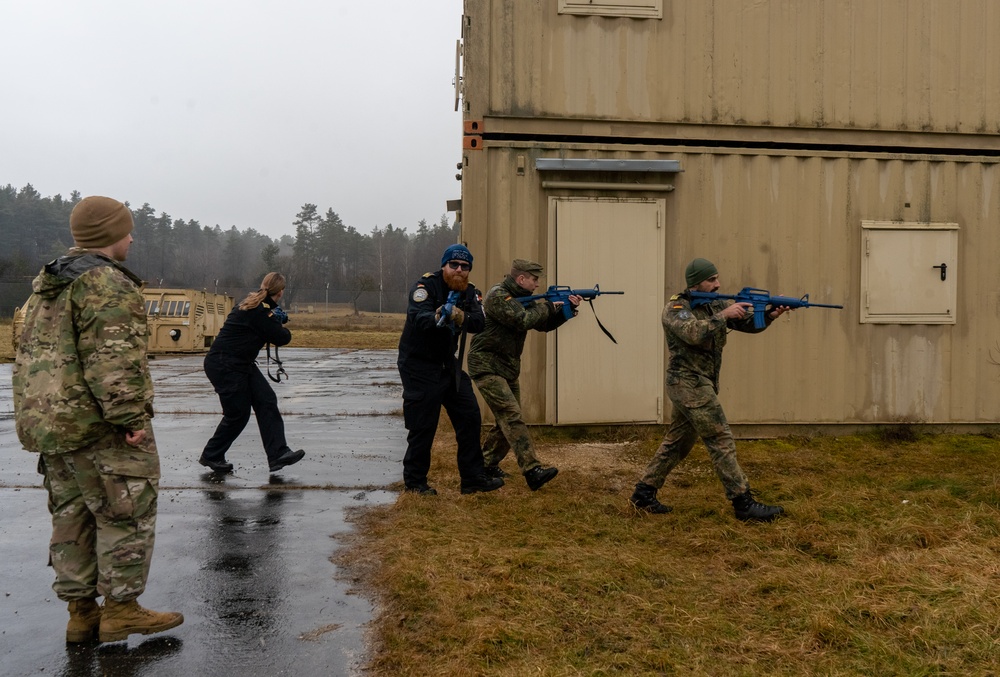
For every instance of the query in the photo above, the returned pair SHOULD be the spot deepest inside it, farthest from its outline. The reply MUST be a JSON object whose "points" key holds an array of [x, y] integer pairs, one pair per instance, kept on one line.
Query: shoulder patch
{"points": [[419, 295], [265, 305], [675, 297], [427, 275]]}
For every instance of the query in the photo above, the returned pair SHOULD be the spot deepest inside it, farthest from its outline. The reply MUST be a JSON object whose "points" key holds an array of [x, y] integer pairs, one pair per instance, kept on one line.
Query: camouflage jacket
{"points": [[80, 370], [497, 349], [696, 336]]}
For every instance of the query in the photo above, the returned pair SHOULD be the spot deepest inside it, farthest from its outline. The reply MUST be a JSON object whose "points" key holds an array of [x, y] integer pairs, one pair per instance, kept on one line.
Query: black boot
{"points": [[480, 483], [287, 458], [749, 510], [495, 471], [220, 467], [421, 488], [538, 476], [644, 498]]}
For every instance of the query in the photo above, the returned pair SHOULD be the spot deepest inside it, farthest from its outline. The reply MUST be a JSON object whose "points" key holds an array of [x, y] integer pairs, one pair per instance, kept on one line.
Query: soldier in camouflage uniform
{"points": [[495, 366], [83, 398], [695, 338]]}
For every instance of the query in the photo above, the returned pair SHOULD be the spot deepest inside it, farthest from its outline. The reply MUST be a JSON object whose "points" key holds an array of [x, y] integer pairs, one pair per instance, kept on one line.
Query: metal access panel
{"points": [[618, 244], [909, 272]]}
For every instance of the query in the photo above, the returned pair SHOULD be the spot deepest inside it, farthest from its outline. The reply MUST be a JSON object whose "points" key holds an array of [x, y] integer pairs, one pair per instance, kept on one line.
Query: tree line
{"points": [[325, 259]]}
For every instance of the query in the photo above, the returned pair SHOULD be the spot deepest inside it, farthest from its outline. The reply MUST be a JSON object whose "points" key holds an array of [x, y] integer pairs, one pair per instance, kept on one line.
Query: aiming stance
{"points": [[495, 365], [231, 367], [696, 338], [443, 308]]}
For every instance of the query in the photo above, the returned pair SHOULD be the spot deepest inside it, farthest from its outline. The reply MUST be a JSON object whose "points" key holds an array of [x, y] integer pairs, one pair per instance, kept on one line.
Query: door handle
{"points": [[944, 271]]}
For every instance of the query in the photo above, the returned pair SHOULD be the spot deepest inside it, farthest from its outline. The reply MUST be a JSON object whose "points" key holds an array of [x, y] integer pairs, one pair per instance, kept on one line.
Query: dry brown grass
{"points": [[6, 341], [885, 565], [341, 330], [331, 338]]}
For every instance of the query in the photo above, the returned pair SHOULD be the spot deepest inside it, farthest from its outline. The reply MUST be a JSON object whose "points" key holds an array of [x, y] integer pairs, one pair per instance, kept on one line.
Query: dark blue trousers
{"points": [[241, 387], [424, 393]]}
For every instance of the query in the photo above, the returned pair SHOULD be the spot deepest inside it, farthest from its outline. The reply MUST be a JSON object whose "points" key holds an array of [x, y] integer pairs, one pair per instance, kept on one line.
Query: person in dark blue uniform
{"points": [[443, 307], [231, 367]]}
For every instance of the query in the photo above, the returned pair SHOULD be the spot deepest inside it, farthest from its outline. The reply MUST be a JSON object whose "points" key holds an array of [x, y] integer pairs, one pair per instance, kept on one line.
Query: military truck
{"points": [[184, 320], [180, 320]]}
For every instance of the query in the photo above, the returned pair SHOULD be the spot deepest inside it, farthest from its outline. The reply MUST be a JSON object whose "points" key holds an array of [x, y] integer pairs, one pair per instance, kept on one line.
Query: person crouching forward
{"points": [[495, 365], [232, 368], [696, 337], [83, 398], [432, 376]]}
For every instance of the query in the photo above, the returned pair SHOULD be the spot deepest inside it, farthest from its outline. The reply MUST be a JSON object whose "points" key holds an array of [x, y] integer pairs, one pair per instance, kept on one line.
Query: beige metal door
{"points": [[617, 244]]}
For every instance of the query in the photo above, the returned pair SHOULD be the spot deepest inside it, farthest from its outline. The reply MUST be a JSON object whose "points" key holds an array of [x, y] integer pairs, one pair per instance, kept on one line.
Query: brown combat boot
{"points": [[121, 619], [84, 619]]}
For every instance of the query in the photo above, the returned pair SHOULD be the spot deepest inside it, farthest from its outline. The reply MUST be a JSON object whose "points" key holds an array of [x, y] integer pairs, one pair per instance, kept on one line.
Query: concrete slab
{"points": [[245, 558]]}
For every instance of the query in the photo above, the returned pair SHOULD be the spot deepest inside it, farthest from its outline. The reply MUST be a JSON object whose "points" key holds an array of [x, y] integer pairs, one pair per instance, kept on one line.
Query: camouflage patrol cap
{"points": [[98, 221], [526, 266]]}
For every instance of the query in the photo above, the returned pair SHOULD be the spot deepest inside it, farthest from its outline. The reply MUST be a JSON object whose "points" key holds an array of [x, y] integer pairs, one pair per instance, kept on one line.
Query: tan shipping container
{"points": [[847, 150]]}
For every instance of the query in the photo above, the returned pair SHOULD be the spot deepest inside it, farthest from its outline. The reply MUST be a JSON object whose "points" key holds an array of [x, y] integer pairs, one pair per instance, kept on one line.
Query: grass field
{"points": [[886, 564], [6, 344]]}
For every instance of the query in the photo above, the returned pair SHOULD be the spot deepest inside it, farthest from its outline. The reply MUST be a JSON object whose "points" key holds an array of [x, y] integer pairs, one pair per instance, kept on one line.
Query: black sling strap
{"points": [[461, 349], [606, 332], [280, 371]]}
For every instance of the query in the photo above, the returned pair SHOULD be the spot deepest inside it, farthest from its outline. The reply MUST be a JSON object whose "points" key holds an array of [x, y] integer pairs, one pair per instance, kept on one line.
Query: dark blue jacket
{"points": [[246, 331], [425, 347]]}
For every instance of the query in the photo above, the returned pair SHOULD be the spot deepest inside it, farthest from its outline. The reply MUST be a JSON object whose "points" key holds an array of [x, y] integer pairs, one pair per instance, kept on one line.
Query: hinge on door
{"points": [[868, 246], [659, 408]]}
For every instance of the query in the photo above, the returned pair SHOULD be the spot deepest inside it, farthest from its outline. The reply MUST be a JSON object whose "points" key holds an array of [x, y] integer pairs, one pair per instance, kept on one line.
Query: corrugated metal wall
{"points": [[915, 65], [856, 96], [792, 224]]}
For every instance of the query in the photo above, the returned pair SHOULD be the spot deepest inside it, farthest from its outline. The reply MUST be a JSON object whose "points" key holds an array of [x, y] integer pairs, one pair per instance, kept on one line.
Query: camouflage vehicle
{"points": [[184, 320]]}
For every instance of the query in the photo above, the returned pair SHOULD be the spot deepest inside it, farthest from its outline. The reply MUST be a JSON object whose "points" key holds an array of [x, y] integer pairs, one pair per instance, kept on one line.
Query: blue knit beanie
{"points": [[457, 252]]}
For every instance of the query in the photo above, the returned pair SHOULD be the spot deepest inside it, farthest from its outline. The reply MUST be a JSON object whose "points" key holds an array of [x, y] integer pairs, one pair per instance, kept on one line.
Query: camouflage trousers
{"points": [[509, 432], [697, 413], [103, 504]]}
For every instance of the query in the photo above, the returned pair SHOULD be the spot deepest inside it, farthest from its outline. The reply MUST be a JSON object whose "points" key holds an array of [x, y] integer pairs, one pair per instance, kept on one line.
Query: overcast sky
{"points": [[235, 112]]}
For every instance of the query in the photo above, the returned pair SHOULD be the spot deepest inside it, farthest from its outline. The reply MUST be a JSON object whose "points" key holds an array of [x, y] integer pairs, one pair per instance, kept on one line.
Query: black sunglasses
{"points": [[459, 265]]}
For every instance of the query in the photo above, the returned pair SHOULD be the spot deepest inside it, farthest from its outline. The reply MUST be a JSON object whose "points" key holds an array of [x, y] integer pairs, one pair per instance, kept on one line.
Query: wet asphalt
{"points": [[245, 557]]}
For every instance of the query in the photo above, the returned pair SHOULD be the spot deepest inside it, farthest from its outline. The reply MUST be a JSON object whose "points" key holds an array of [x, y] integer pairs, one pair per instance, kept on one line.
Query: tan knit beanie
{"points": [[99, 221]]}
